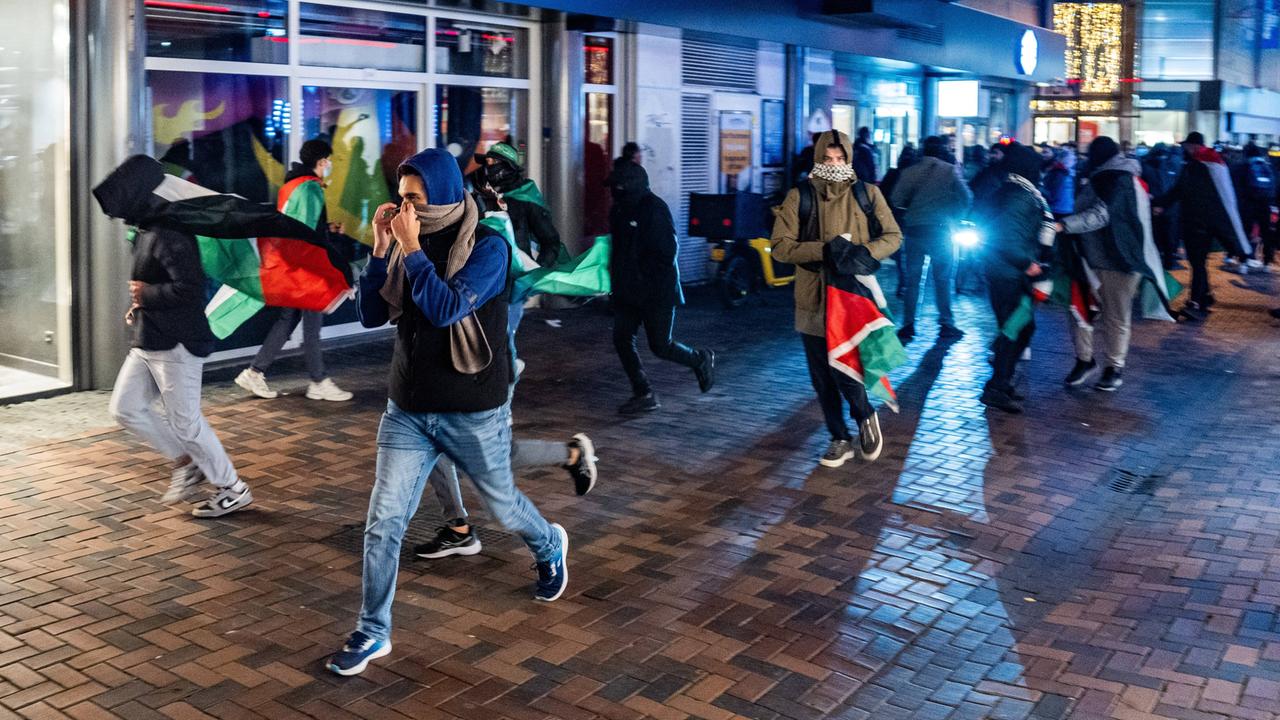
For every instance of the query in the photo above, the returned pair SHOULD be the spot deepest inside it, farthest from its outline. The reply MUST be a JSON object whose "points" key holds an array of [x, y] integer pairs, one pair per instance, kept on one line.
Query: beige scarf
{"points": [[469, 347]]}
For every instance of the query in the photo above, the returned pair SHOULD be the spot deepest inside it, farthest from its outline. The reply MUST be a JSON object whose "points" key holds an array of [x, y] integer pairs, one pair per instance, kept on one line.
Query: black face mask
{"points": [[502, 176]]}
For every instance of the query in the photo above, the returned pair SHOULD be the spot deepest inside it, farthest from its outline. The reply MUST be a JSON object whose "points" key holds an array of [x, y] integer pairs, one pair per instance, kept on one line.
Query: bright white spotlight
{"points": [[966, 237]]}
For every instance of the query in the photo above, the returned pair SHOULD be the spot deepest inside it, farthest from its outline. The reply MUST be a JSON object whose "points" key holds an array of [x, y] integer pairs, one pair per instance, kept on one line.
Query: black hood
{"points": [[1022, 160], [628, 182]]}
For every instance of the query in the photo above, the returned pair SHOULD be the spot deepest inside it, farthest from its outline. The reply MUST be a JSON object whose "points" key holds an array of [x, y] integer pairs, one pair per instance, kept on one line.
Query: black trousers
{"points": [[832, 385], [658, 324], [1006, 295], [1199, 242]]}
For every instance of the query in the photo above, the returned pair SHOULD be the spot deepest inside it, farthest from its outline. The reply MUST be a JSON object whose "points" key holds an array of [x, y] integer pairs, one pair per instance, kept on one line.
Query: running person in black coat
{"points": [[646, 285]]}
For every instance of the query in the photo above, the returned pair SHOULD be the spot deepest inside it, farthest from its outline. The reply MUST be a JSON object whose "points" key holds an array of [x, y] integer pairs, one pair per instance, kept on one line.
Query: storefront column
{"points": [[108, 108], [562, 122]]}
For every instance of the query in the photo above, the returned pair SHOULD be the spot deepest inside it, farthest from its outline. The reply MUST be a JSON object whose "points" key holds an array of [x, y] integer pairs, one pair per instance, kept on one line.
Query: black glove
{"points": [[845, 258]]}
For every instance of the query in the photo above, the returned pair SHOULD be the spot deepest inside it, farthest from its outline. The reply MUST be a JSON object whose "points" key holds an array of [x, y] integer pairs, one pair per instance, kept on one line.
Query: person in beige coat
{"points": [[836, 215]]}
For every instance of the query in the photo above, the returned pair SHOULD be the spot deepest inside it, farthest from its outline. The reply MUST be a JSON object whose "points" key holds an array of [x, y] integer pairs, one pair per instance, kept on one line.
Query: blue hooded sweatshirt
{"points": [[443, 302]]}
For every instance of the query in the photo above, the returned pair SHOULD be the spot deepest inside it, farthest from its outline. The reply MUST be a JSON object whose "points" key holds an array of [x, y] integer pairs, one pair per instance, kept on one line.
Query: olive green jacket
{"points": [[838, 213]]}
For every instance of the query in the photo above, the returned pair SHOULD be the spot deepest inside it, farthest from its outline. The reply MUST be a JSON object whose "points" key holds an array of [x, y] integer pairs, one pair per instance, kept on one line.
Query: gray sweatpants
{"points": [[1115, 294], [170, 379], [279, 334], [524, 454]]}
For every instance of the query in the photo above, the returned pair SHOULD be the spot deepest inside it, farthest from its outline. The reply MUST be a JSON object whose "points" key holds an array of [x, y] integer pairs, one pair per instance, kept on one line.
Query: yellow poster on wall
{"points": [[735, 142]]}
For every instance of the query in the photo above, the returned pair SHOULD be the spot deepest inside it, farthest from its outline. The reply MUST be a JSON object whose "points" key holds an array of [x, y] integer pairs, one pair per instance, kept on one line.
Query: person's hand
{"points": [[337, 229], [382, 229], [1059, 227], [1157, 210], [1034, 270], [404, 228], [135, 292]]}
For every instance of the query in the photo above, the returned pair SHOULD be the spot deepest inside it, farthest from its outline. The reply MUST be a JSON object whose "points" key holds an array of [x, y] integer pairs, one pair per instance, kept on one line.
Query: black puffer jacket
{"points": [[643, 262]]}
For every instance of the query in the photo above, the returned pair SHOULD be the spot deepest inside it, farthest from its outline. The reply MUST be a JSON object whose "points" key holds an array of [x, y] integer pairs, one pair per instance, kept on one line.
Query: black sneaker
{"points": [[837, 453], [906, 333], [1193, 311], [950, 332], [999, 399], [706, 370], [640, 404], [448, 542], [583, 472], [1080, 373], [1111, 380], [870, 440]]}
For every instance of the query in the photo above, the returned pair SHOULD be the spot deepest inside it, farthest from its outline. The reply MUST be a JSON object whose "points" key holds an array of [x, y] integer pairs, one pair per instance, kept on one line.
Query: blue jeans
{"points": [[515, 313], [409, 444]]}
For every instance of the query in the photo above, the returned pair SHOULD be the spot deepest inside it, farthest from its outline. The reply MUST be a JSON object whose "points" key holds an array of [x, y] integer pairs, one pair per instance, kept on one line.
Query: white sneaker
{"points": [[228, 500], [183, 483], [256, 383], [327, 390]]}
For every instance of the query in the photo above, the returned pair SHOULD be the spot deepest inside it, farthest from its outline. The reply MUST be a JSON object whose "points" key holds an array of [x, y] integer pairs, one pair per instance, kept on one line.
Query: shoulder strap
{"points": [[874, 228], [806, 212]]}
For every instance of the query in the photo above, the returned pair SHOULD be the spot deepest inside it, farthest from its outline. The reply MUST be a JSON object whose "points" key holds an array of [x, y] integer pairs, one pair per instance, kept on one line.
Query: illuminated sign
{"points": [[1028, 53], [957, 98]]}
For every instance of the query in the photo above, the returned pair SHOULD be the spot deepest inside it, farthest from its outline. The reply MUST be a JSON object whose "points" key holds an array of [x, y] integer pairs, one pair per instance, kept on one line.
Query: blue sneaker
{"points": [[356, 654], [553, 576]]}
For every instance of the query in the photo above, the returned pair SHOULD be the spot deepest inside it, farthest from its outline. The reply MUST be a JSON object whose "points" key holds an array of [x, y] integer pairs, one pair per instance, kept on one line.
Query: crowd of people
{"points": [[1107, 224]]}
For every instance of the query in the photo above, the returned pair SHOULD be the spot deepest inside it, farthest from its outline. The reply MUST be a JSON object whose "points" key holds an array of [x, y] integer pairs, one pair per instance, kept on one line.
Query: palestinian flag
{"points": [[1077, 286], [861, 342], [583, 276], [261, 256], [1221, 177]]}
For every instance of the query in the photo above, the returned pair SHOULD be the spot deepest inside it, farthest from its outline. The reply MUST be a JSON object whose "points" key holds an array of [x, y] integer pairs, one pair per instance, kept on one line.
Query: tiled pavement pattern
{"points": [[982, 568]]}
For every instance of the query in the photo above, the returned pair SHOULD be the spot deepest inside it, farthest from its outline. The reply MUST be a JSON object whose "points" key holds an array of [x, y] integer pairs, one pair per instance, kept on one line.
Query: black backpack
{"points": [[808, 210], [1260, 180]]}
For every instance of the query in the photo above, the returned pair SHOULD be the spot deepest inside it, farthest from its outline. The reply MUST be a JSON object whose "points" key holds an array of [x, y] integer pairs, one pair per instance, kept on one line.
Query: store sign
{"points": [[1149, 103], [957, 98], [886, 90], [735, 142], [1028, 53]]}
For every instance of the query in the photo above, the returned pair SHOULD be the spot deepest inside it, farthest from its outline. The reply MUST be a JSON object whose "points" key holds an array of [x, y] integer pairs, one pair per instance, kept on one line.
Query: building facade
{"points": [[225, 93]]}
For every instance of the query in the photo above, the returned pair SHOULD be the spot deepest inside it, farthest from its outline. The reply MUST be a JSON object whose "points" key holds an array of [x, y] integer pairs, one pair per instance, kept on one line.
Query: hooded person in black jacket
{"points": [[646, 285], [1015, 218], [171, 339]]}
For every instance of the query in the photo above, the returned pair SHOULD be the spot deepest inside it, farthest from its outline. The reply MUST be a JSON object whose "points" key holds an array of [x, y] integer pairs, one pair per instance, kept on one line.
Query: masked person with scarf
{"points": [[531, 220], [646, 286], [834, 214], [1018, 222], [301, 198], [442, 286]]}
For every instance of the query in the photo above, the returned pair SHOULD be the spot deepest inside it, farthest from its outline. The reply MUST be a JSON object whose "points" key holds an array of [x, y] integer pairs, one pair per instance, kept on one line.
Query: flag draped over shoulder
{"points": [[1076, 285], [261, 256], [861, 342], [1221, 177]]}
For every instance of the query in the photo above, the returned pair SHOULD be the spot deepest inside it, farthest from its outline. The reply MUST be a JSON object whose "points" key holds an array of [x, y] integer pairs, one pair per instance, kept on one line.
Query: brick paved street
{"points": [[983, 568]]}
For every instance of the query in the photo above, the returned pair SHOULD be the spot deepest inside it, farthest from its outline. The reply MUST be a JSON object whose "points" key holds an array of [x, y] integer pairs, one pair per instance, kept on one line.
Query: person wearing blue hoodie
{"points": [[439, 277]]}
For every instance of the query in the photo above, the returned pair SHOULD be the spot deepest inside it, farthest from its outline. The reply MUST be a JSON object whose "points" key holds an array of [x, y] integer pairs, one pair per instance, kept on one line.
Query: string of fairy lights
{"points": [[1093, 31]]}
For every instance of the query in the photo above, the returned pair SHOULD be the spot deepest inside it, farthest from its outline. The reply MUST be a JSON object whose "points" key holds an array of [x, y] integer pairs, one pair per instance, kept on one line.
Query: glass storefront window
{"points": [[491, 7], [471, 119], [465, 47], [239, 30], [226, 132], [596, 162], [336, 36], [1160, 126], [597, 59], [35, 291], [1054, 130], [372, 131]]}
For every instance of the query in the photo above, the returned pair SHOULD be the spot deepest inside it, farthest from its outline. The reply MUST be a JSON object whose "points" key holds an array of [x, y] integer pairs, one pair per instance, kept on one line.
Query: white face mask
{"points": [[327, 169]]}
